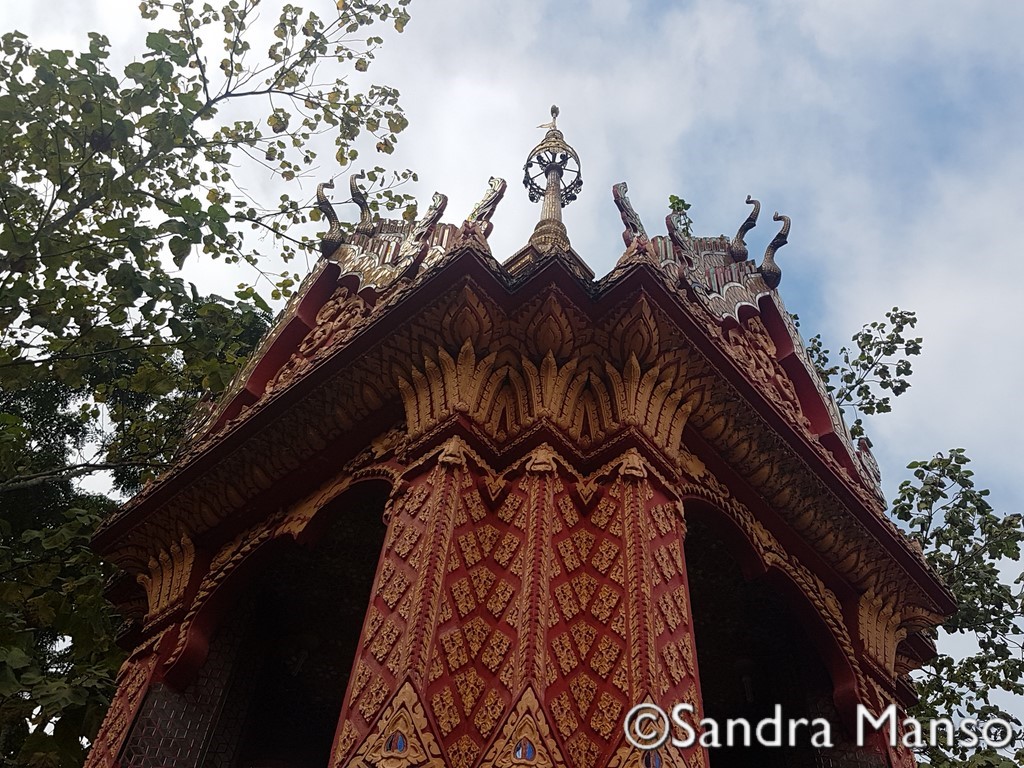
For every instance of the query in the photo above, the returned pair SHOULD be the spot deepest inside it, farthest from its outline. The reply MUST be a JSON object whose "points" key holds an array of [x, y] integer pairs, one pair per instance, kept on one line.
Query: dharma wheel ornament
{"points": [[552, 174]]}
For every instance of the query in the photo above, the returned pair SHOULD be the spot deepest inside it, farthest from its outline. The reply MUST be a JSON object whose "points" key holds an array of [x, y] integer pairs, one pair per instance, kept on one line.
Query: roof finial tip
{"points": [[553, 125]]}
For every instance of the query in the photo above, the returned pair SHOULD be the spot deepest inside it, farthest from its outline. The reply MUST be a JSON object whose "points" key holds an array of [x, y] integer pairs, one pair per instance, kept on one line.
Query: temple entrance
{"points": [[752, 655], [269, 692], [310, 605]]}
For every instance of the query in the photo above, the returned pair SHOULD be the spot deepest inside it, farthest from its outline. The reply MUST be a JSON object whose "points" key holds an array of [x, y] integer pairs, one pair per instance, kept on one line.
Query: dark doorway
{"points": [[753, 654], [309, 606]]}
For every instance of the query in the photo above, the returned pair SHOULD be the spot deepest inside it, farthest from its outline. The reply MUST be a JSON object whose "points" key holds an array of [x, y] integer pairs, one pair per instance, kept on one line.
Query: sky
{"points": [[888, 132]]}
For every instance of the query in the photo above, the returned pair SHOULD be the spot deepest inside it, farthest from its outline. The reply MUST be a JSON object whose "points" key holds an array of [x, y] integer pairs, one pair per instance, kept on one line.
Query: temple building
{"points": [[467, 513]]}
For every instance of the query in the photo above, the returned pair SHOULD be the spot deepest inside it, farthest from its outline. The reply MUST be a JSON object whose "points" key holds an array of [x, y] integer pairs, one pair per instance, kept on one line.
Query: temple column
{"points": [[383, 711], [133, 681], [660, 660]]}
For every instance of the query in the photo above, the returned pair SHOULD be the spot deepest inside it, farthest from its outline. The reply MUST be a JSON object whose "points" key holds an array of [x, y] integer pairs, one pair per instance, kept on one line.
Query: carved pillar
{"points": [[522, 613], [898, 756], [662, 658], [133, 680], [398, 657], [540, 485]]}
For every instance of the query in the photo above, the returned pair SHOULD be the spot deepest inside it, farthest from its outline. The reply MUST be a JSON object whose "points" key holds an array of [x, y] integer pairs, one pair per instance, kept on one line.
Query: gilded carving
{"points": [[384, 641], [476, 632], [605, 720], [336, 322], [503, 554], [540, 485], [448, 481], [605, 656], [346, 739], [584, 541], [605, 555], [569, 513], [169, 574], [570, 557], [436, 667], [401, 738], [373, 698], [677, 668], [490, 711], [541, 460], [360, 679], [751, 346], [494, 652], [525, 738], [670, 611], [463, 594], [472, 236], [582, 751], [454, 649], [666, 563], [223, 565], [463, 752], [500, 598], [470, 551], [584, 585], [483, 579], [564, 653], [470, 685], [561, 710], [487, 535], [567, 601], [394, 590], [550, 330], [607, 599], [445, 713], [588, 402], [637, 334], [132, 681], [879, 625]]}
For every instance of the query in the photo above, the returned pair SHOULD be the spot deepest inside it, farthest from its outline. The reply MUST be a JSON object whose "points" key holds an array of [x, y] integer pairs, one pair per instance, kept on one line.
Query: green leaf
{"points": [[157, 41], [180, 248], [15, 658]]}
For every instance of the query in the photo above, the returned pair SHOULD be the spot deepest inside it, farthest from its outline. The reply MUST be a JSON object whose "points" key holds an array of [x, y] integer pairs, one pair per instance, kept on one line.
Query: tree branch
{"points": [[67, 473]]}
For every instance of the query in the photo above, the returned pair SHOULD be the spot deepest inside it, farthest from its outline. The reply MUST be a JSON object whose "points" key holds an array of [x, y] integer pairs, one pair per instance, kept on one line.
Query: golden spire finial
{"points": [[559, 165], [554, 118]]}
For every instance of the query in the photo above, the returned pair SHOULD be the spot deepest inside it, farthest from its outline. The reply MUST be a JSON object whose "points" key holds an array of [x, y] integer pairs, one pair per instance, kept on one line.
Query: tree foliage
{"points": [[679, 206], [57, 649], [879, 362], [111, 179], [106, 182], [975, 550]]}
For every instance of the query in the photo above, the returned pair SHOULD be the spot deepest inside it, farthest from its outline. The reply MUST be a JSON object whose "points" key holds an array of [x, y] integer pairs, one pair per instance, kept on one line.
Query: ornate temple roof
{"points": [[374, 283]]}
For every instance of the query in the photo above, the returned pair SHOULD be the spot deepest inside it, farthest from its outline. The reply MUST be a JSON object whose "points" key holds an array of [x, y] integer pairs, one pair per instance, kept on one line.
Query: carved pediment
{"points": [[525, 740], [401, 737]]}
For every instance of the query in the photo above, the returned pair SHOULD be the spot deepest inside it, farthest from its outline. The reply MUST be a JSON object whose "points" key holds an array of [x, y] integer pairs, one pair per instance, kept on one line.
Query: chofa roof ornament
{"points": [[770, 271], [552, 174], [738, 246]]}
